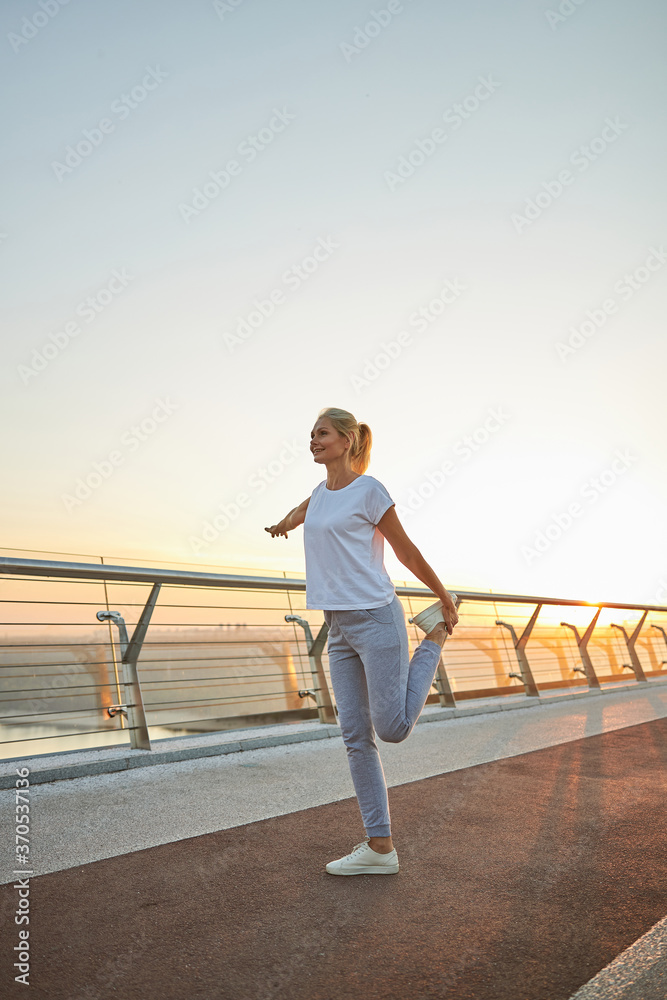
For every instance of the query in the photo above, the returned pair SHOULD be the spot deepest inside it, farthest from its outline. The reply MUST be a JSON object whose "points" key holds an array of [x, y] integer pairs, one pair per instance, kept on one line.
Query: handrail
{"points": [[92, 571]]}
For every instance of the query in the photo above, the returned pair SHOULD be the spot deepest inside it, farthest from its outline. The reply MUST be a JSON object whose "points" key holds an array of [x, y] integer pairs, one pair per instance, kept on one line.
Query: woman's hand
{"points": [[278, 529], [449, 612], [287, 523]]}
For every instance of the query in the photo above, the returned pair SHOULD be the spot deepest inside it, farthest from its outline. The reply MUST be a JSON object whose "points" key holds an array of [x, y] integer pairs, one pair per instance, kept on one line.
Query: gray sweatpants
{"points": [[378, 690]]}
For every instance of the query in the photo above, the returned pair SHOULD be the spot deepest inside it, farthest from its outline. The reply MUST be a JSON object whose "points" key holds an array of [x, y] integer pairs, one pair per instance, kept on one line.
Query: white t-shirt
{"points": [[344, 550]]}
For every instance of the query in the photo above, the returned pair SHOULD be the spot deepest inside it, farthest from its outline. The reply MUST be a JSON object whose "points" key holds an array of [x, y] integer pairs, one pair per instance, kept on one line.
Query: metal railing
{"points": [[253, 672]]}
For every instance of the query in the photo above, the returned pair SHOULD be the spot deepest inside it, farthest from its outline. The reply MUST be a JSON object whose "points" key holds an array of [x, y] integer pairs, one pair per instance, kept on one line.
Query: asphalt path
{"points": [[520, 878]]}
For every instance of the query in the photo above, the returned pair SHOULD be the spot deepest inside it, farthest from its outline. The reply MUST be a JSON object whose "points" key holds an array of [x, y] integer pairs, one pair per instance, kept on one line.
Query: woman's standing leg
{"points": [[348, 679], [376, 686]]}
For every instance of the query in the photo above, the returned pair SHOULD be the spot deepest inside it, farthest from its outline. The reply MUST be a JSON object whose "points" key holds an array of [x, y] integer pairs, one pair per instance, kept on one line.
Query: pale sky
{"points": [[452, 218]]}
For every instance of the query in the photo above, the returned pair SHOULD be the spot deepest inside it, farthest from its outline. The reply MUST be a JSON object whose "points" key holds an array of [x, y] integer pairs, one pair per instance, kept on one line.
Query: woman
{"points": [[378, 689]]}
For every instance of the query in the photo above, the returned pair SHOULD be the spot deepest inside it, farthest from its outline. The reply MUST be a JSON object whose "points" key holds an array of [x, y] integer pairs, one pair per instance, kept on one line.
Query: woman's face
{"points": [[326, 443]]}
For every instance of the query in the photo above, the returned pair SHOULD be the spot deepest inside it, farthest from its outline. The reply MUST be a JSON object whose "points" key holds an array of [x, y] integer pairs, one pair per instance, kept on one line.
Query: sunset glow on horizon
{"points": [[448, 220]]}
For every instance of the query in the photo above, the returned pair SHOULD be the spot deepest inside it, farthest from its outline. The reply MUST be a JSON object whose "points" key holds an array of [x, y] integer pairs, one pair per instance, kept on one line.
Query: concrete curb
{"points": [[82, 763], [91, 762], [636, 974]]}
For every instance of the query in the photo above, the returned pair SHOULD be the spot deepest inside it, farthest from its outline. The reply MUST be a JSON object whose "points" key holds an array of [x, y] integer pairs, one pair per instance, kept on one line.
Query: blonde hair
{"points": [[360, 435]]}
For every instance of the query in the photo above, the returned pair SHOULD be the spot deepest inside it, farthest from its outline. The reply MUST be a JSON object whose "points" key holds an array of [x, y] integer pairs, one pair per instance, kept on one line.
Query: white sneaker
{"points": [[430, 616], [365, 861]]}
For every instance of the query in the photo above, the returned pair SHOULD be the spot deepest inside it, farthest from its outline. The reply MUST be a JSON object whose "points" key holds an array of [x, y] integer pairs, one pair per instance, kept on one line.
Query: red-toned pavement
{"points": [[520, 879]]}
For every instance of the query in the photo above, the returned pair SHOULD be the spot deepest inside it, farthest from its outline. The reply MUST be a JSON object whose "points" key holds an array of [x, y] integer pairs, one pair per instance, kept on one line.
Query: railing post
{"points": [[664, 636], [582, 643], [445, 692], [136, 715], [661, 629], [325, 709], [526, 675], [443, 686], [630, 643]]}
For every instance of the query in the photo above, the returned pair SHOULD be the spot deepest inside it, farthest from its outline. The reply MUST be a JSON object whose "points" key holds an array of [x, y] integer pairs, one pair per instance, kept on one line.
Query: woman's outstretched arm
{"points": [[295, 517]]}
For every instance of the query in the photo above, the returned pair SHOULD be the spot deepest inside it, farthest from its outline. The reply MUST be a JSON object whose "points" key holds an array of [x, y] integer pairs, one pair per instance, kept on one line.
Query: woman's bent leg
{"points": [[397, 685]]}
